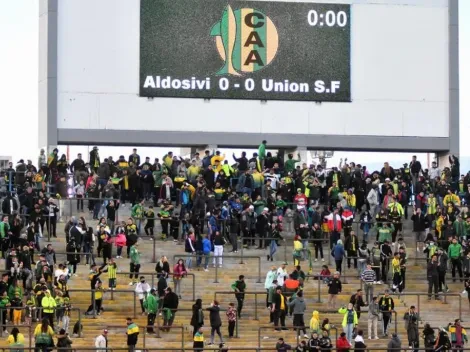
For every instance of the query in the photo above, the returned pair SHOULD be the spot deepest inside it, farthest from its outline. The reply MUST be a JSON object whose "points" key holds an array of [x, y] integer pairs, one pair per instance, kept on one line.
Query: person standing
{"points": [[239, 287], [387, 306], [132, 335], [458, 335], [350, 320], [197, 318], [170, 306], [334, 288], [357, 302], [369, 278], [101, 342], [373, 318], [454, 253], [279, 309], [433, 277], [151, 306], [215, 321], [232, 319], [338, 253], [198, 340], [262, 154], [134, 263], [270, 277], [442, 259], [299, 307]]}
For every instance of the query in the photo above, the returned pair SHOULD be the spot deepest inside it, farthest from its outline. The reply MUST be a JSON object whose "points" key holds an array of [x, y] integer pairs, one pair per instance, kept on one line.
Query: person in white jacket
{"points": [[142, 289], [282, 274], [101, 342], [373, 199]]}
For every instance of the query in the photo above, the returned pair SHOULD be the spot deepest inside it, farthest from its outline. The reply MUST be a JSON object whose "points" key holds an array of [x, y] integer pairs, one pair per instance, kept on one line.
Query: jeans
{"points": [[177, 283], [88, 250], [348, 330], [189, 261], [272, 248], [361, 266]]}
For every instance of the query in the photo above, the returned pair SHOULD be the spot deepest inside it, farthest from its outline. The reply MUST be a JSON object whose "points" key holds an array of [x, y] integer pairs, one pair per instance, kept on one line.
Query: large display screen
{"points": [[263, 50]]}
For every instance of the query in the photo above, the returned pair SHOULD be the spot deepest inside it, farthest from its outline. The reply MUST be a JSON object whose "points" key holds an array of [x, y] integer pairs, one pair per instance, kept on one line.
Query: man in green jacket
{"points": [[454, 253], [289, 165], [151, 306], [460, 227], [135, 263], [262, 154], [137, 213]]}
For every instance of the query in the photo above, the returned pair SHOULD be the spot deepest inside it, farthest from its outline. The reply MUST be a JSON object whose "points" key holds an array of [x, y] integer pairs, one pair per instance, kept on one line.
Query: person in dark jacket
{"points": [[170, 306], [334, 288], [9, 205], [94, 159], [420, 223], [197, 318], [215, 321], [242, 162], [433, 277], [279, 309], [161, 287], [281, 346], [134, 157]]}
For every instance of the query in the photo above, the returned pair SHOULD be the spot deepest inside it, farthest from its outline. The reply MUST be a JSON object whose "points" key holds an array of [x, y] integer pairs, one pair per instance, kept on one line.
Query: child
{"points": [[29, 312], [120, 241], [164, 215], [232, 319], [112, 270], [67, 308], [149, 226], [99, 291], [16, 304], [325, 274]]}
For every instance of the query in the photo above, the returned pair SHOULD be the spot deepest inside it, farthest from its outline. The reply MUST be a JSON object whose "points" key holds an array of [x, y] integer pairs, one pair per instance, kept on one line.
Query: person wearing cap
{"points": [[151, 306], [101, 341]]}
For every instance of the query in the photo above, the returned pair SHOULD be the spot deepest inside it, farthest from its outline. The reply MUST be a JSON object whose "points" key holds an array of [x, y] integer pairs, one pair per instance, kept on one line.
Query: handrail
{"points": [[93, 298], [225, 257]]}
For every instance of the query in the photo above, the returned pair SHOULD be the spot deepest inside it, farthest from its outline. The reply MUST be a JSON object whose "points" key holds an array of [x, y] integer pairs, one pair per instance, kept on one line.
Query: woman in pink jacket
{"points": [[179, 271]]}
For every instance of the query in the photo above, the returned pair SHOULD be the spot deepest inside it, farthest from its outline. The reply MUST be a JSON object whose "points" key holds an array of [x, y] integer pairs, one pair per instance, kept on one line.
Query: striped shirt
{"points": [[112, 269], [368, 276]]}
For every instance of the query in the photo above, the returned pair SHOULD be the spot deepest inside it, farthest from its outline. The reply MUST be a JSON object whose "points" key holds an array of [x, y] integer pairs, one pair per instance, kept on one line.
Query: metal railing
{"points": [[93, 303], [224, 257], [210, 348]]}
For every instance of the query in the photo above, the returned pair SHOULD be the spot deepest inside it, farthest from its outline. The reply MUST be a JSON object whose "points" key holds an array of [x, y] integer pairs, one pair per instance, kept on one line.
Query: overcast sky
{"points": [[19, 98]]}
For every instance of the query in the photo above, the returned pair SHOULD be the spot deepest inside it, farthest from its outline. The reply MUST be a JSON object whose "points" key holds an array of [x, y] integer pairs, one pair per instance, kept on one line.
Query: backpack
{"points": [[43, 339]]}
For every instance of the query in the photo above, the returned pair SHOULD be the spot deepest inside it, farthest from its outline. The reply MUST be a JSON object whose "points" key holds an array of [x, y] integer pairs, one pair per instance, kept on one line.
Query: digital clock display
{"points": [[264, 50]]}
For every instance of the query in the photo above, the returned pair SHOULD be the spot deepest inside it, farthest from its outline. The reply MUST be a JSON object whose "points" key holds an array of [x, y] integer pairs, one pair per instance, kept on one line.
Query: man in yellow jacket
{"points": [[451, 198], [48, 305]]}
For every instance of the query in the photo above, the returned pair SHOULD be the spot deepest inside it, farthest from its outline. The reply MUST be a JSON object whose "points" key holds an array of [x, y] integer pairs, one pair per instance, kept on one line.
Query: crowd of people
{"points": [[208, 203]]}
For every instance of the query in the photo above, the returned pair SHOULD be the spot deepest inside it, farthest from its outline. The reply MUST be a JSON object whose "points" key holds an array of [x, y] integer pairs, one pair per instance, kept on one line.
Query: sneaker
{"points": [[206, 270], [131, 284], [417, 249], [305, 336], [374, 283], [447, 290], [220, 266], [379, 282], [370, 338], [316, 260], [376, 338]]}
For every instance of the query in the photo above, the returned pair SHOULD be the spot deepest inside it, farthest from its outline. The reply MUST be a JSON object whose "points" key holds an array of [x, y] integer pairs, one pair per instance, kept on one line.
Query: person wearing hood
{"points": [[338, 253], [359, 344], [151, 306], [63, 341], [197, 318], [394, 345], [48, 304], [299, 307], [428, 336], [350, 320], [315, 322], [342, 344]]}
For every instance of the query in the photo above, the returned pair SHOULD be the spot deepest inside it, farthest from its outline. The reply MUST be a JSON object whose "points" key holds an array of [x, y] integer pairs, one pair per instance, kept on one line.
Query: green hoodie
{"points": [[289, 165], [151, 304], [137, 211], [262, 151], [135, 255], [259, 206], [454, 250]]}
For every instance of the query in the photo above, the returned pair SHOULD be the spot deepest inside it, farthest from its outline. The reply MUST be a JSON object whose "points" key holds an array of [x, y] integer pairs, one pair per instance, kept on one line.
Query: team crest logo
{"points": [[246, 39]]}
